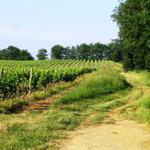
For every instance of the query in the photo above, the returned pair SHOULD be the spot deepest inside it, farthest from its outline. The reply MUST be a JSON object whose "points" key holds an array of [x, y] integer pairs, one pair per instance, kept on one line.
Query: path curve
{"points": [[115, 133], [121, 134]]}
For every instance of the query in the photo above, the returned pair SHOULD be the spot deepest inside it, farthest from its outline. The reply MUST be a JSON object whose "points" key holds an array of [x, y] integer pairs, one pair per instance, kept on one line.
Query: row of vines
{"points": [[19, 78]]}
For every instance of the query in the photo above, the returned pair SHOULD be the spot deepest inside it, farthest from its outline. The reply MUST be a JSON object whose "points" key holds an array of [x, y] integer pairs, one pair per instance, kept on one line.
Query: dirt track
{"points": [[115, 133]]}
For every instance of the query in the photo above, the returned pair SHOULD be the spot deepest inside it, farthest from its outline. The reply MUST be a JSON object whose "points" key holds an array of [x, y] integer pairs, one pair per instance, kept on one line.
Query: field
{"points": [[77, 93], [21, 78]]}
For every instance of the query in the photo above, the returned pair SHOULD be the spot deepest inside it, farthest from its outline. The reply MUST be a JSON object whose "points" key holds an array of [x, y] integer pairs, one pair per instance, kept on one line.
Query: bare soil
{"points": [[115, 133]]}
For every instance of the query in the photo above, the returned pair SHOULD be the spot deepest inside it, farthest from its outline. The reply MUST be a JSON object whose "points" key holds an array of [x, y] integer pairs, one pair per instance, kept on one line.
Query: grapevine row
{"points": [[21, 78]]}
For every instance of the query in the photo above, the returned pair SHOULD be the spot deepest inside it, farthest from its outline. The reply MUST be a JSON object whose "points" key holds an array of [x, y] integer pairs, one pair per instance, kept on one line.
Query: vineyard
{"points": [[19, 78], [44, 100]]}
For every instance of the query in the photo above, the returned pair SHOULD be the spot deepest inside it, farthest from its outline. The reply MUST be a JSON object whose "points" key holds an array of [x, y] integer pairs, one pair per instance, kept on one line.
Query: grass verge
{"points": [[15, 105], [98, 84], [140, 109]]}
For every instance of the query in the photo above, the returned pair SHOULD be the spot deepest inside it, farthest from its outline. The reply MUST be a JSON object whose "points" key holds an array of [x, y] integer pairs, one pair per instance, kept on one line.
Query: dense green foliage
{"points": [[42, 54], [57, 52], [95, 51], [14, 53], [84, 51], [133, 18], [115, 51]]}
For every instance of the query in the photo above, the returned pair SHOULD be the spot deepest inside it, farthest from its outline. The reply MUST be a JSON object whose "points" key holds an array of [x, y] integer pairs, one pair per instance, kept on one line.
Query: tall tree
{"points": [[73, 53], [25, 55], [11, 53], [14, 53], [83, 51], [98, 51], [133, 19], [115, 52], [42, 54], [57, 52]]}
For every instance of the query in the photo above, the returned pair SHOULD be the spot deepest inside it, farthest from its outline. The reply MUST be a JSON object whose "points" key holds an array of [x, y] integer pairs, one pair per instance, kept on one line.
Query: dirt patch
{"points": [[42, 105], [121, 134]]}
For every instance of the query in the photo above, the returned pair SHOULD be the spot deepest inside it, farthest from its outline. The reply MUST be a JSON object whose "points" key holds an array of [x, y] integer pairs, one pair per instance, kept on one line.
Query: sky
{"points": [[36, 24]]}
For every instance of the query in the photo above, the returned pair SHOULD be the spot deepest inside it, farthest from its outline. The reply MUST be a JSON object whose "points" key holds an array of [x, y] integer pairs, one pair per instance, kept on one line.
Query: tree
{"points": [[67, 53], [42, 54], [25, 55], [73, 53], [57, 52], [14, 53], [83, 51], [133, 19], [97, 51], [115, 50], [11, 53], [147, 61]]}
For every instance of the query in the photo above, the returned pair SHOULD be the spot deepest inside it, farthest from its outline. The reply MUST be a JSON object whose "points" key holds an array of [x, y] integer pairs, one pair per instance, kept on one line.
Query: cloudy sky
{"points": [[35, 24]]}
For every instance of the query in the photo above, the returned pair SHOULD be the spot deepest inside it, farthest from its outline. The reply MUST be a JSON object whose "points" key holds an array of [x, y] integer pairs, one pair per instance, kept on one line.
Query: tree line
{"points": [[14, 53], [91, 51], [83, 51]]}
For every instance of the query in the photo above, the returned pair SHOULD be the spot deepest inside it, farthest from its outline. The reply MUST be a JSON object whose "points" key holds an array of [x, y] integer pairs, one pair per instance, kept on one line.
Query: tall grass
{"points": [[143, 113], [97, 84], [144, 77], [145, 101], [140, 110], [44, 130]]}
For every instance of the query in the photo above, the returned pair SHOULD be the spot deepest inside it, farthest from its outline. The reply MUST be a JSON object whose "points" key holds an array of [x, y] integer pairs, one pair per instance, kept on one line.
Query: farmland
{"points": [[75, 75], [25, 79], [21, 78], [79, 93]]}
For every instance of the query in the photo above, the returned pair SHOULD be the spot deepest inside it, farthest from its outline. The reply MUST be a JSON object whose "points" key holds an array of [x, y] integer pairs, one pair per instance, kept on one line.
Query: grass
{"points": [[34, 130], [140, 109], [98, 84], [143, 112], [16, 104], [144, 78], [31, 132], [145, 102]]}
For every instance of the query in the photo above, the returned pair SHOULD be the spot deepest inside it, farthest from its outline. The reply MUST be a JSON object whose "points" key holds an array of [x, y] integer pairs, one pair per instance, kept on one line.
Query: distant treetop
{"points": [[14, 53]]}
